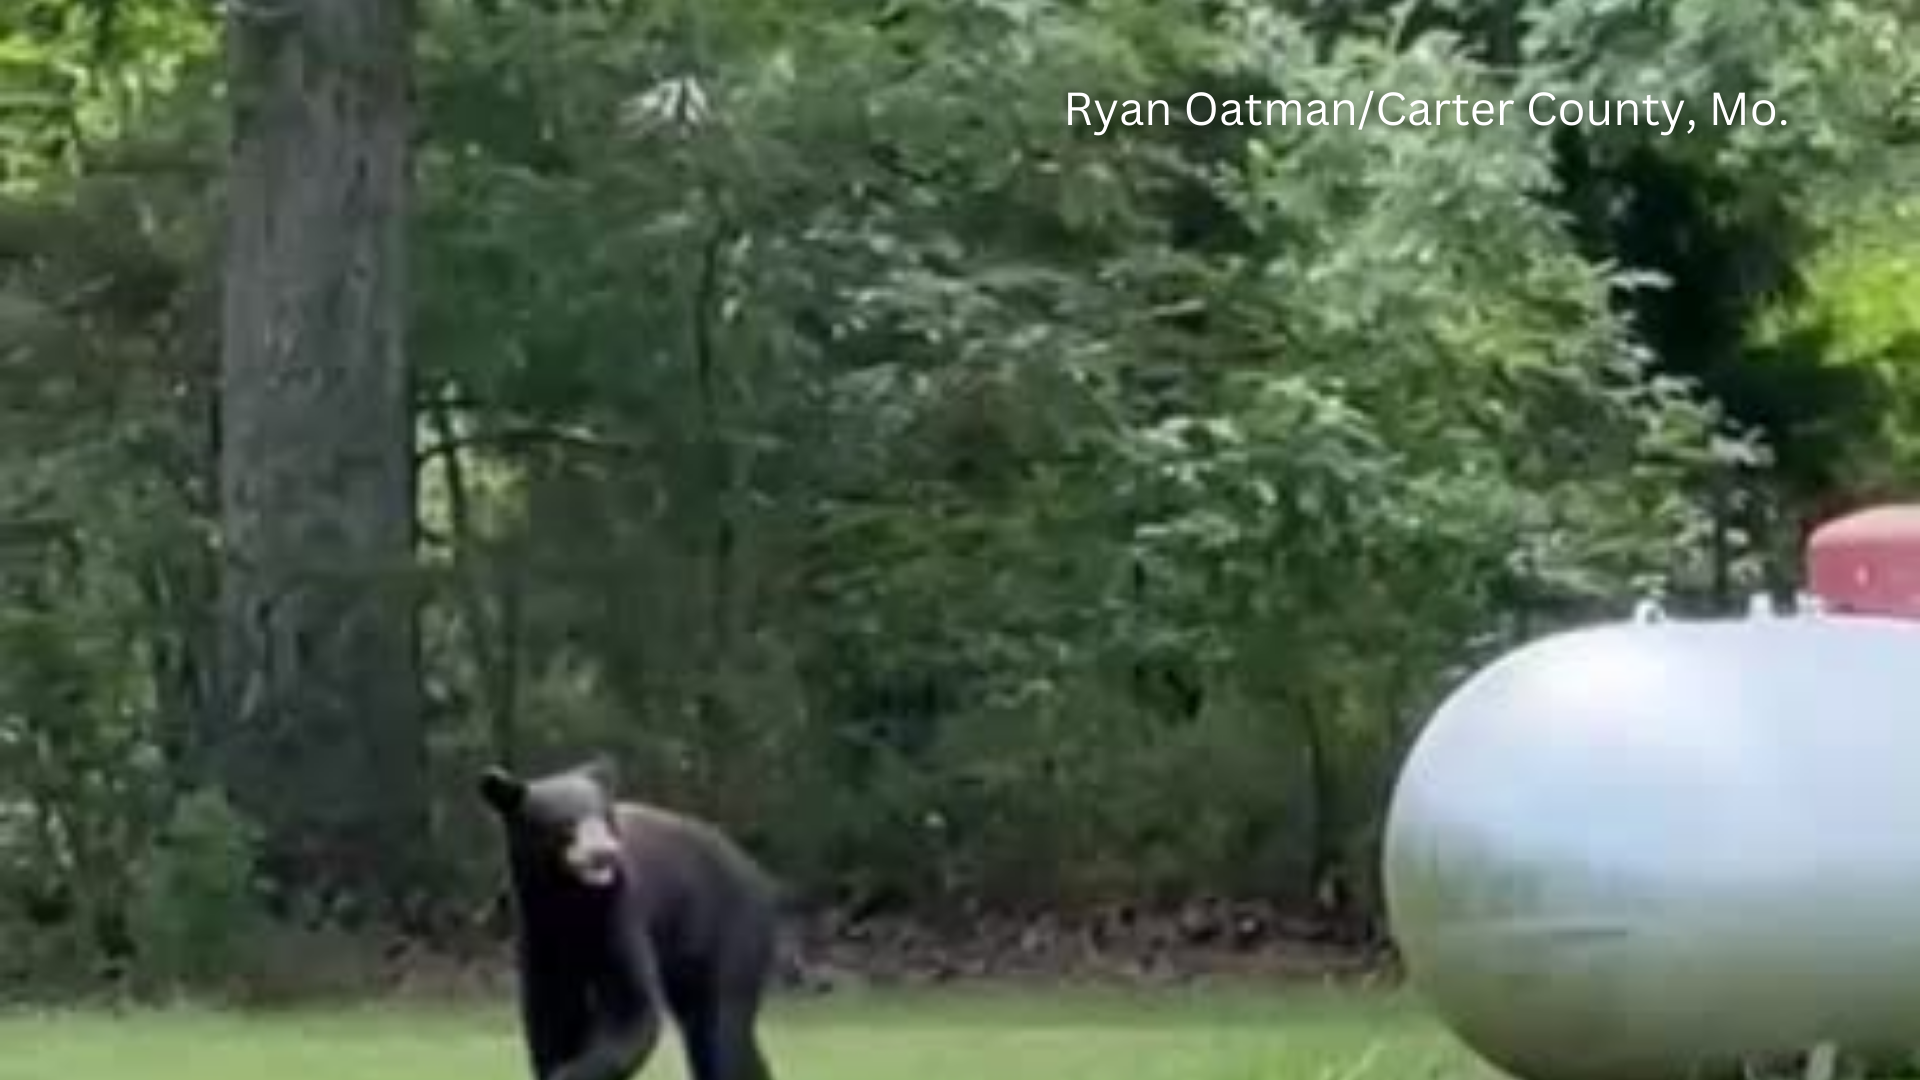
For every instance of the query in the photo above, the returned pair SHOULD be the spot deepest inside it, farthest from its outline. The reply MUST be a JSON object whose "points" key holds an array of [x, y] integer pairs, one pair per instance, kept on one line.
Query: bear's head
{"points": [[561, 825]]}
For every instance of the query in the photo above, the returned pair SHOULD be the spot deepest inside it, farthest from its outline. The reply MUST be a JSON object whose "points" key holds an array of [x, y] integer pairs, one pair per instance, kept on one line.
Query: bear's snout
{"points": [[594, 854]]}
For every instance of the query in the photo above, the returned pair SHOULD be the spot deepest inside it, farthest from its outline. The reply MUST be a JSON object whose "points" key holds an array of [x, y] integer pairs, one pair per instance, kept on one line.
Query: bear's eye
{"points": [[548, 828]]}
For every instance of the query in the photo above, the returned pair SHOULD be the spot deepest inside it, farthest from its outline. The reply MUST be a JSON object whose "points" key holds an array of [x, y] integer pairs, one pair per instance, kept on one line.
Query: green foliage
{"points": [[78, 760], [77, 76], [1862, 304], [196, 910], [946, 414]]}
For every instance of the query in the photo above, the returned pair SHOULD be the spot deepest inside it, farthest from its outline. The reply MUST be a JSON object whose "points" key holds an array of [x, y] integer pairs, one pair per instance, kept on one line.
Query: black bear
{"points": [[624, 912]]}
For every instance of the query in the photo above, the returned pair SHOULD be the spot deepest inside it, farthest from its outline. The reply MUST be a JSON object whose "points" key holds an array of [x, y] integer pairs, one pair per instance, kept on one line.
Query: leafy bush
{"points": [[195, 912]]}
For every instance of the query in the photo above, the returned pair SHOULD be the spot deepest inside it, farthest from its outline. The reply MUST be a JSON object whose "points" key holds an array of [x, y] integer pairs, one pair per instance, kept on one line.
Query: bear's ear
{"points": [[602, 771], [502, 790]]}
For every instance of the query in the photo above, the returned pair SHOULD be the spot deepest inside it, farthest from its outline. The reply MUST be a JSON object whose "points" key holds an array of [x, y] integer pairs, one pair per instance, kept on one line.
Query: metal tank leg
{"points": [[1822, 1062], [1826, 1061]]}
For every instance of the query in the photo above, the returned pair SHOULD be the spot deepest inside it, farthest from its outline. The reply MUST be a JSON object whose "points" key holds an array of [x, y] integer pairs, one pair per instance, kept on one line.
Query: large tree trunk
{"points": [[319, 735]]}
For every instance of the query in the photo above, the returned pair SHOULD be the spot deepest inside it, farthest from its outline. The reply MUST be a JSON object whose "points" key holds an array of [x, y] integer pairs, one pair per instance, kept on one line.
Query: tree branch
{"points": [[526, 437]]}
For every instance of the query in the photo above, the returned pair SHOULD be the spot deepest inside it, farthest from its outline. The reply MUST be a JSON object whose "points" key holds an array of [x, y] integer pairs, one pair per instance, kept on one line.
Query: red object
{"points": [[1868, 562]]}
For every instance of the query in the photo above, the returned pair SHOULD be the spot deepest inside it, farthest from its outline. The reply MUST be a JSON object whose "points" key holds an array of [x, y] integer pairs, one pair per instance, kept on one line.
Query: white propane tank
{"points": [[1650, 850]]}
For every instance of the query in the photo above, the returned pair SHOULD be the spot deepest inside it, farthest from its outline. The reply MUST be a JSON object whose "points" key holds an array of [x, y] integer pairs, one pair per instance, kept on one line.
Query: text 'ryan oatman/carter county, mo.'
{"points": [[1395, 109]]}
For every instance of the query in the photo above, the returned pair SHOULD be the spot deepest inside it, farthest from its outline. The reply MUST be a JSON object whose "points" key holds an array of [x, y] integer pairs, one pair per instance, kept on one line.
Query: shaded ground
{"points": [[1120, 945], [1123, 945], [1190, 1033], [832, 953]]}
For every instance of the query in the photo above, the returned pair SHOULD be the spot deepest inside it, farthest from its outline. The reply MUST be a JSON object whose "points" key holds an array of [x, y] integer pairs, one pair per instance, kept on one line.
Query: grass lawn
{"points": [[1217, 1034]]}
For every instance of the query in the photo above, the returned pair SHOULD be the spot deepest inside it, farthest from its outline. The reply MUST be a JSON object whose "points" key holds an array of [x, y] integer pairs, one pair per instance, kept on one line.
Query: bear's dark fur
{"points": [[625, 912]]}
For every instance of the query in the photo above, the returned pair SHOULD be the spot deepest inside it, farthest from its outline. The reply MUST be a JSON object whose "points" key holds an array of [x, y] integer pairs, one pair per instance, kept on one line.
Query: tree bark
{"points": [[320, 737]]}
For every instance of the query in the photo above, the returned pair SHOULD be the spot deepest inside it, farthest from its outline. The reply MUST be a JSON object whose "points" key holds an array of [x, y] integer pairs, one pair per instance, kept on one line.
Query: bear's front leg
{"points": [[555, 1015], [628, 1002], [618, 1050]]}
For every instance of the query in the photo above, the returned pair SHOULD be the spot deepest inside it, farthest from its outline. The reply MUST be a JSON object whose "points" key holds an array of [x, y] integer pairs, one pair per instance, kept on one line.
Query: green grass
{"points": [[973, 1035]]}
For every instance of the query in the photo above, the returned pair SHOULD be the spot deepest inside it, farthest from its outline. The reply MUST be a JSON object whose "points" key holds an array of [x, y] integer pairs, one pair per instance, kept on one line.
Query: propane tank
{"points": [[1652, 849]]}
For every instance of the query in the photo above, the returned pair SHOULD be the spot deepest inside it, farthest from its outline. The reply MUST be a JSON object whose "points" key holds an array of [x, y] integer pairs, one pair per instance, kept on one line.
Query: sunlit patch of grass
{"points": [[976, 1034]]}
